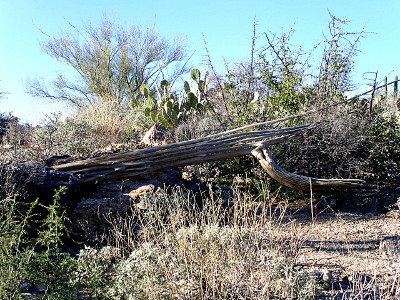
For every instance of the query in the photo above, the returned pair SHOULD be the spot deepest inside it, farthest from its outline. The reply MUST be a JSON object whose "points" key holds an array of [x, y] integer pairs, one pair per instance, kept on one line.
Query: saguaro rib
{"points": [[219, 146], [215, 147], [299, 182]]}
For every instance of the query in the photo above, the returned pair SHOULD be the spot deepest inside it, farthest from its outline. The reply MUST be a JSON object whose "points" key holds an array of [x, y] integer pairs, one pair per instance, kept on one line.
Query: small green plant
{"points": [[13, 233], [53, 226]]}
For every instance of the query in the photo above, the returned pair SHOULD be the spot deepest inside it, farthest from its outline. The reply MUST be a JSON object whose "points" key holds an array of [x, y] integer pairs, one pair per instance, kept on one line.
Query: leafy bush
{"points": [[384, 148], [347, 142]]}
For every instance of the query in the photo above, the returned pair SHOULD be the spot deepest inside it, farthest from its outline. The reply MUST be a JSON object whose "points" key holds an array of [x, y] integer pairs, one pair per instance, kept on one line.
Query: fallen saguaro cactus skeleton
{"points": [[225, 145]]}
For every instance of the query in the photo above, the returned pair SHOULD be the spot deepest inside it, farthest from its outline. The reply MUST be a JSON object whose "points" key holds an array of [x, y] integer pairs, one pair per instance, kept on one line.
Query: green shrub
{"points": [[30, 252]]}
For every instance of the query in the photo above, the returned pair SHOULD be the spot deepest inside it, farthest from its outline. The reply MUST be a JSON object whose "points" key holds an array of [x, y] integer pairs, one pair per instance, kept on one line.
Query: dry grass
{"points": [[87, 131], [108, 119], [221, 250], [246, 248]]}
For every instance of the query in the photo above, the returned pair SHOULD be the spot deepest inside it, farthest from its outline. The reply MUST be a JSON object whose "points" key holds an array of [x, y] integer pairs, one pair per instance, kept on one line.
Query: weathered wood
{"points": [[215, 147], [155, 159], [299, 182], [385, 90]]}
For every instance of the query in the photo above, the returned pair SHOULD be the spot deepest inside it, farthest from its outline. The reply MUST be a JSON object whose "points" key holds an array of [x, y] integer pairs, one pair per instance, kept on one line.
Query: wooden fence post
{"points": [[395, 92], [372, 94], [385, 90]]}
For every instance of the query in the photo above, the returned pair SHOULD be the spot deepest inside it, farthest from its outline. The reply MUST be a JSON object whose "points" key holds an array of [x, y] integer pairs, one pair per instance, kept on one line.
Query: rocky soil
{"points": [[353, 249]]}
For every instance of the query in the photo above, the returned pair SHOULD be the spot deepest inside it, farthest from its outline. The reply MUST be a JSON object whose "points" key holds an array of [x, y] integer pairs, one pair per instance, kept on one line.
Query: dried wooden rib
{"points": [[299, 182], [215, 147]]}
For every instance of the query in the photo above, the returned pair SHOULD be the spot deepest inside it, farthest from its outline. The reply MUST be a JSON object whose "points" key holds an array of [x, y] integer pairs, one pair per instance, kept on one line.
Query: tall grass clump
{"points": [[88, 130]]}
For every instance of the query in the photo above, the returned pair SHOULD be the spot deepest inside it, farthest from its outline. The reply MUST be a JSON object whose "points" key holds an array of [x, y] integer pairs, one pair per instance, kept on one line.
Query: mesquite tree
{"points": [[111, 63]]}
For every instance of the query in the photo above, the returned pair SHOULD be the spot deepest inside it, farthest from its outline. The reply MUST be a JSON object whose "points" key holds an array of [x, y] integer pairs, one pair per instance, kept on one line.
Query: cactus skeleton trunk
{"points": [[225, 145], [155, 159]]}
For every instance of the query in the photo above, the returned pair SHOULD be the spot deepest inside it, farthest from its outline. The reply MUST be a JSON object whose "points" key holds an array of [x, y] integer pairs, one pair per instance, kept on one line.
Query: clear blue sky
{"points": [[226, 25]]}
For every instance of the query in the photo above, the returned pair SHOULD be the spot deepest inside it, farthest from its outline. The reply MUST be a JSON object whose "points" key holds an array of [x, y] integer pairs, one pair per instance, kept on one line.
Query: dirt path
{"points": [[356, 249]]}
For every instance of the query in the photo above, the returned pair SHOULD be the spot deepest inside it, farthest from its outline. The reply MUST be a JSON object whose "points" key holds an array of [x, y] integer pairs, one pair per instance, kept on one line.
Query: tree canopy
{"points": [[111, 63]]}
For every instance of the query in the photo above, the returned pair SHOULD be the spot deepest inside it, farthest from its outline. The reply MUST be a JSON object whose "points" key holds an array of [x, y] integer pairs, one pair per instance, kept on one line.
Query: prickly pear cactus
{"points": [[195, 75], [169, 111], [201, 85]]}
